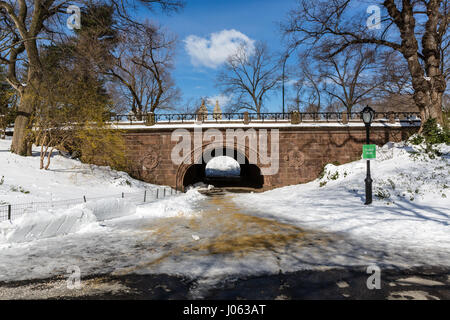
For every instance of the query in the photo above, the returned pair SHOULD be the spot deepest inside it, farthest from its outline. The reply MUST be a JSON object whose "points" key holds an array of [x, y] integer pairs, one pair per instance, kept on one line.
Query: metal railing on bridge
{"points": [[271, 117]]}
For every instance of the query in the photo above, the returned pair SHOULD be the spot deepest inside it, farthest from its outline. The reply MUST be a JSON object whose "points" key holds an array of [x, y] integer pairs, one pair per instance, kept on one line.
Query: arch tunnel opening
{"points": [[246, 176]]}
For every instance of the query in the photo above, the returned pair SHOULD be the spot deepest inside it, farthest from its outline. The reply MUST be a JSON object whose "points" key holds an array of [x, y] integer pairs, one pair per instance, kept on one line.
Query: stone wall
{"points": [[303, 151]]}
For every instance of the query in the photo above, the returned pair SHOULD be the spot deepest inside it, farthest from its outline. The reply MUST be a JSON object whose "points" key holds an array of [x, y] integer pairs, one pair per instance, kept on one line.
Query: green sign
{"points": [[369, 151]]}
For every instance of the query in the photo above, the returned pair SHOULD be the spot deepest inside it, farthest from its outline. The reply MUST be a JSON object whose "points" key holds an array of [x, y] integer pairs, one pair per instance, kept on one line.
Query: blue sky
{"points": [[257, 20]]}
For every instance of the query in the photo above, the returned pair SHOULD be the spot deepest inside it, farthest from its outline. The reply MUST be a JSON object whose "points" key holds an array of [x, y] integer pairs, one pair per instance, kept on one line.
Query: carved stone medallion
{"points": [[295, 158], [150, 161]]}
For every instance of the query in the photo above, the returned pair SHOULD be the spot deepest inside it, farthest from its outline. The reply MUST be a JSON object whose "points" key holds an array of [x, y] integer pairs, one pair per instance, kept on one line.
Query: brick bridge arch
{"points": [[240, 152]]}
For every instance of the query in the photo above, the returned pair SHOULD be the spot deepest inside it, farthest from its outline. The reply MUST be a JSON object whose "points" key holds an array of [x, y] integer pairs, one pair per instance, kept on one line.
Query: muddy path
{"points": [[221, 228]]}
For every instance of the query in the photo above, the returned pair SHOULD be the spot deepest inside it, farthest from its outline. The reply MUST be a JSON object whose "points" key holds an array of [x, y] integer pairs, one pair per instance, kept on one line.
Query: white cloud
{"points": [[213, 52], [223, 100]]}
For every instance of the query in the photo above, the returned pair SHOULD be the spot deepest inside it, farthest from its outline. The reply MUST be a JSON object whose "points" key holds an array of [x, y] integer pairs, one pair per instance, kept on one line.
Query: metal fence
{"points": [[13, 211]]}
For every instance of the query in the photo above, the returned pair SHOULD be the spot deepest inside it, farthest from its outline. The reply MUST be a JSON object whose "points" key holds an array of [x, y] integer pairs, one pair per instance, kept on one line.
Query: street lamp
{"points": [[286, 56], [284, 68], [368, 115]]}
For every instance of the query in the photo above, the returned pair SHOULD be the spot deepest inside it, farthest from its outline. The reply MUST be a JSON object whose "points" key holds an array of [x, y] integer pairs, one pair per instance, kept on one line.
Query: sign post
{"points": [[369, 151]]}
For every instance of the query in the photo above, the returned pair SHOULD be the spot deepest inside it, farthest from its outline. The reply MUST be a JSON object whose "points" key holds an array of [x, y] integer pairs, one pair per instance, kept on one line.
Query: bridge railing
{"points": [[271, 117]]}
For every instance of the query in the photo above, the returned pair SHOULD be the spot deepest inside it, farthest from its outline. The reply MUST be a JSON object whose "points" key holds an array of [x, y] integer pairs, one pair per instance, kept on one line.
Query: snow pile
{"points": [[46, 224], [184, 205], [106, 209], [223, 166], [411, 201], [199, 186], [21, 181], [58, 222], [401, 172], [86, 217]]}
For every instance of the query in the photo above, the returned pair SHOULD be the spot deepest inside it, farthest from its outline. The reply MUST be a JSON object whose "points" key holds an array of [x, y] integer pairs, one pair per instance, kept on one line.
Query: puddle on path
{"points": [[222, 228]]}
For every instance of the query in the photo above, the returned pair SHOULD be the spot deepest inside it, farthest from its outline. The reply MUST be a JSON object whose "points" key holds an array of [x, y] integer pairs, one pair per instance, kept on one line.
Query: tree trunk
{"points": [[49, 156], [20, 144], [41, 158], [29, 95], [427, 80]]}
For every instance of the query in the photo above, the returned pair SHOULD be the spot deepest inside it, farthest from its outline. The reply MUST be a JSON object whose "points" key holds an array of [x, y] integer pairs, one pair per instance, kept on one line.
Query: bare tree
{"points": [[396, 92], [29, 21], [405, 23], [314, 84], [142, 65], [248, 76], [298, 87], [349, 76]]}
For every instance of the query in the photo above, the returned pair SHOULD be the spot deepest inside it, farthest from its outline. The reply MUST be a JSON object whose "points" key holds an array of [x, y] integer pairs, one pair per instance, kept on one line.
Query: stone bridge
{"points": [[296, 152]]}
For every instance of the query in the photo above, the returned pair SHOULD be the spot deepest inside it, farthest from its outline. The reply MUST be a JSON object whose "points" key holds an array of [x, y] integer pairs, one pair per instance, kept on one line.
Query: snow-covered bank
{"points": [[410, 212], [47, 243], [91, 217], [21, 181]]}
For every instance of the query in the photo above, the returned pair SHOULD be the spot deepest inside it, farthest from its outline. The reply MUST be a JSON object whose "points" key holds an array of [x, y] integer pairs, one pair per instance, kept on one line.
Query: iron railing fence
{"points": [[261, 117], [176, 118], [13, 211]]}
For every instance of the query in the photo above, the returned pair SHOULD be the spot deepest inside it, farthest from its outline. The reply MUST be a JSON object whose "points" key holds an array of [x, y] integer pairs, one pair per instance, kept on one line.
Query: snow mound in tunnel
{"points": [[223, 166]]}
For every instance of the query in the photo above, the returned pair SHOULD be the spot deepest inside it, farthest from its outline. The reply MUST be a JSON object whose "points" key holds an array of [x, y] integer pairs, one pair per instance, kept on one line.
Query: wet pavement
{"points": [[336, 284]]}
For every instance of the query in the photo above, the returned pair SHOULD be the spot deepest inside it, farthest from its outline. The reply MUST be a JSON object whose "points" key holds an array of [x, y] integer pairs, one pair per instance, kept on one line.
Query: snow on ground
{"points": [[410, 213], [192, 235], [222, 166], [21, 181], [93, 244]]}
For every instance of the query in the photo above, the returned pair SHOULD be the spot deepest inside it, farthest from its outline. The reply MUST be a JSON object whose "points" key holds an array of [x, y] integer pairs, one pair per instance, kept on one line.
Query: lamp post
{"points": [[284, 68], [368, 115], [286, 56]]}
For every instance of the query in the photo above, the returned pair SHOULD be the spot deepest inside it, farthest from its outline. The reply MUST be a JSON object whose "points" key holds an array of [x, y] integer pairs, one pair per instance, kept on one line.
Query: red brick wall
{"points": [[303, 152]]}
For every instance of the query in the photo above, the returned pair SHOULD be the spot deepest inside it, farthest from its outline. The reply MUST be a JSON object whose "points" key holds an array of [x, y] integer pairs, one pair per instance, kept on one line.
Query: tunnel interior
{"points": [[249, 177]]}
